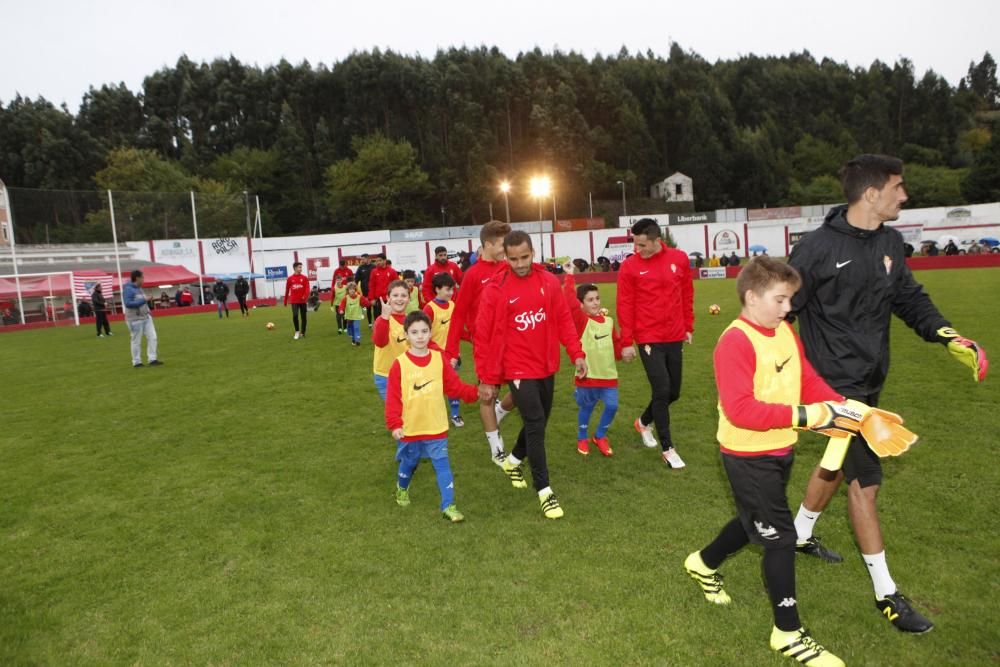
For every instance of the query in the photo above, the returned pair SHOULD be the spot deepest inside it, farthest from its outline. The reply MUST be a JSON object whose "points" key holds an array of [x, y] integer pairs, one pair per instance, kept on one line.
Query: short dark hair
{"points": [[408, 273], [440, 248], [296, 264], [416, 316], [761, 273], [585, 289], [343, 262], [517, 237], [867, 171], [442, 280], [136, 273], [647, 227], [494, 229]]}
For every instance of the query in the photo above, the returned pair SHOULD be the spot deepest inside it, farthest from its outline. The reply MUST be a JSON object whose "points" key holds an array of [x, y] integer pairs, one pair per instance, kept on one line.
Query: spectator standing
{"points": [[362, 276], [220, 291], [378, 283], [100, 312], [139, 321]]}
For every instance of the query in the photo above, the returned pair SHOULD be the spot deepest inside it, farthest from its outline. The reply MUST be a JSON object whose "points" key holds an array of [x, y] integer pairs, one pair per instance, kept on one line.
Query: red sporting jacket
{"points": [[655, 298]]}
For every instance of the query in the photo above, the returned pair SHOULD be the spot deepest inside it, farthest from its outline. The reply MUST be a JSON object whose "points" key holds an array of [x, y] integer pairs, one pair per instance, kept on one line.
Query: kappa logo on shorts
{"points": [[787, 602], [768, 533]]}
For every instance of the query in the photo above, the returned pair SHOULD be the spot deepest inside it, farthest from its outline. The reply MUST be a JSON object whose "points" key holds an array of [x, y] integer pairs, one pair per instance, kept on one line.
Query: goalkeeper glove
{"points": [[884, 434], [965, 350], [836, 420]]}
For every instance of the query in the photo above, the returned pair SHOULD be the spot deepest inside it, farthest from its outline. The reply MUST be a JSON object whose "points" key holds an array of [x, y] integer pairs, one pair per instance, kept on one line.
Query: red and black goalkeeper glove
{"points": [[965, 350]]}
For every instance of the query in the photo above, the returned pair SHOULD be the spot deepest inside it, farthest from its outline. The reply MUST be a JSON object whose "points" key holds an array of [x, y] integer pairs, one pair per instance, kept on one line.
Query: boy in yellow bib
{"points": [[415, 412], [440, 310], [763, 378], [389, 336]]}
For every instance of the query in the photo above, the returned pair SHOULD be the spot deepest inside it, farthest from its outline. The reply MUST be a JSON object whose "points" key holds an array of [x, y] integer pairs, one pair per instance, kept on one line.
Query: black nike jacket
{"points": [[853, 281]]}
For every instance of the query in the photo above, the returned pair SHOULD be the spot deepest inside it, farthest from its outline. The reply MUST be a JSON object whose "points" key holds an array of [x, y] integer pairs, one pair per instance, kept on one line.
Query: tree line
{"points": [[382, 139]]}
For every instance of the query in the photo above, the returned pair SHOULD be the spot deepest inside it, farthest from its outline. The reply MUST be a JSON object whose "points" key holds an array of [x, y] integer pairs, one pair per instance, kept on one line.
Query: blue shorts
{"points": [[381, 382], [422, 449]]}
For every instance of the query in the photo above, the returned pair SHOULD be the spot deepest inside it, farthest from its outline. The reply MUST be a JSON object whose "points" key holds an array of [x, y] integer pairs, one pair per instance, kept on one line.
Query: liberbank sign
{"points": [[691, 218]]}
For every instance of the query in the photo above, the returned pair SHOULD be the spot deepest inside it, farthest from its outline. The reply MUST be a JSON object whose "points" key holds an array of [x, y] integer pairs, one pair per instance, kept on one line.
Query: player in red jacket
{"points": [[297, 292], [343, 271], [378, 283], [656, 312], [463, 323], [522, 320], [441, 265]]}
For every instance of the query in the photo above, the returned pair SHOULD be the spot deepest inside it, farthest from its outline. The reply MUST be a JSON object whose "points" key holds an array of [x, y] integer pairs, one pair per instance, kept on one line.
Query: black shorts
{"points": [[860, 462], [758, 484]]}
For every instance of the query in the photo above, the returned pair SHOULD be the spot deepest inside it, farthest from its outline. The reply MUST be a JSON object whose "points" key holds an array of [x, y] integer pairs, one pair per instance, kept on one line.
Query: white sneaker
{"points": [[673, 459], [646, 432], [296, 336]]}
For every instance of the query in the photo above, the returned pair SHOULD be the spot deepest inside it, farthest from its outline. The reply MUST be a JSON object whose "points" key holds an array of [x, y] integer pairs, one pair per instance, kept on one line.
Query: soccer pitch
{"points": [[234, 507]]}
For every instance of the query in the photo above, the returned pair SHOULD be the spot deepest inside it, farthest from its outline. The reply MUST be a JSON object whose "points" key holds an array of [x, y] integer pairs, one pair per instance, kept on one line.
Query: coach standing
{"points": [[854, 278], [362, 276], [139, 321], [656, 312], [297, 292], [378, 284], [441, 264]]}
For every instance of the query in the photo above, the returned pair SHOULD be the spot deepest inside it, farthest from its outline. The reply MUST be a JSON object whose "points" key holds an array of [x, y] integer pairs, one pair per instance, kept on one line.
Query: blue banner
{"points": [[276, 272]]}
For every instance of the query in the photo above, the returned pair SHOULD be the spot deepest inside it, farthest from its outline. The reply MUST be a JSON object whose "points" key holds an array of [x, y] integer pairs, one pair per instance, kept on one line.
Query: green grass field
{"points": [[234, 507]]}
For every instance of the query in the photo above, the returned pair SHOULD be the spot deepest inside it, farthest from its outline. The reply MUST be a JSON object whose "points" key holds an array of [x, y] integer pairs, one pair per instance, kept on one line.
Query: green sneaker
{"points": [[550, 506], [402, 496], [452, 514], [514, 474]]}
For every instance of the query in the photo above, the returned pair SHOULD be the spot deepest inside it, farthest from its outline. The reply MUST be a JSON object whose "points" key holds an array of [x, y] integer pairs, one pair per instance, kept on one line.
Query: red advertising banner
{"points": [[578, 224], [774, 213], [313, 263]]}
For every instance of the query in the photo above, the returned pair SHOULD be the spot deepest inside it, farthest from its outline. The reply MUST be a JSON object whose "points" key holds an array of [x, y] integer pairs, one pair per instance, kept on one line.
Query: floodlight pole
{"points": [[118, 261], [194, 219], [13, 248]]}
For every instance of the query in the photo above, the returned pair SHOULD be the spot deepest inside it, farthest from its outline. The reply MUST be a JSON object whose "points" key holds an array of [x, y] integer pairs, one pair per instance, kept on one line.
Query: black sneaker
{"points": [[897, 609], [138, 365], [156, 362], [813, 547]]}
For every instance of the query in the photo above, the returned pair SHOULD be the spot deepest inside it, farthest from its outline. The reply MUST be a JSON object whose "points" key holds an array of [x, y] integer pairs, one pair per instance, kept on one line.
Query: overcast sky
{"points": [[58, 49]]}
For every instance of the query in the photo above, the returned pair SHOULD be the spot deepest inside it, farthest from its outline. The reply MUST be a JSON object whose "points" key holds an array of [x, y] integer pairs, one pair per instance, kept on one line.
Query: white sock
{"points": [[545, 492], [513, 460], [496, 442], [881, 579], [805, 521], [498, 407]]}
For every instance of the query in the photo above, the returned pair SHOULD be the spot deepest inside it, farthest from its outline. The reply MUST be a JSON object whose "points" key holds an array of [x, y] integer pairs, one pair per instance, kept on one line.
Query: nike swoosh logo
{"points": [[642, 273], [484, 280], [780, 367], [418, 387], [514, 299], [840, 264], [596, 337], [400, 340], [444, 322]]}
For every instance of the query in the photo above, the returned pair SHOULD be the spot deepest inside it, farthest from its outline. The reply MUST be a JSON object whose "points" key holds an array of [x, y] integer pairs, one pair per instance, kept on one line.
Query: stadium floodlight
{"points": [[624, 207], [505, 189]]}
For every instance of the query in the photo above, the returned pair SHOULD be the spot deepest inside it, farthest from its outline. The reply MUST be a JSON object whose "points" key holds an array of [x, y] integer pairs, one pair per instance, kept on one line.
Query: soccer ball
{"points": [[714, 309], [269, 325]]}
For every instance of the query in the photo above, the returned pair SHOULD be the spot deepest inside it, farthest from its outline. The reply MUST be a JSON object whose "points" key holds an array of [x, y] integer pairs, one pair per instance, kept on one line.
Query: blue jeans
{"points": [[354, 330], [381, 382], [587, 399], [223, 308], [409, 454]]}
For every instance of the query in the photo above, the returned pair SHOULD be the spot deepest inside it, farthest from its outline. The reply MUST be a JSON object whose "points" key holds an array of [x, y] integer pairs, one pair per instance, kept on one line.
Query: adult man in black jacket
{"points": [[100, 311], [241, 288], [854, 278], [361, 276], [221, 292]]}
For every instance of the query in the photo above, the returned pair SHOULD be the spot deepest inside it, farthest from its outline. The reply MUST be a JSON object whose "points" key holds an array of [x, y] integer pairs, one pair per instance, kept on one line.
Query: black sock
{"points": [[731, 539], [779, 573]]}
